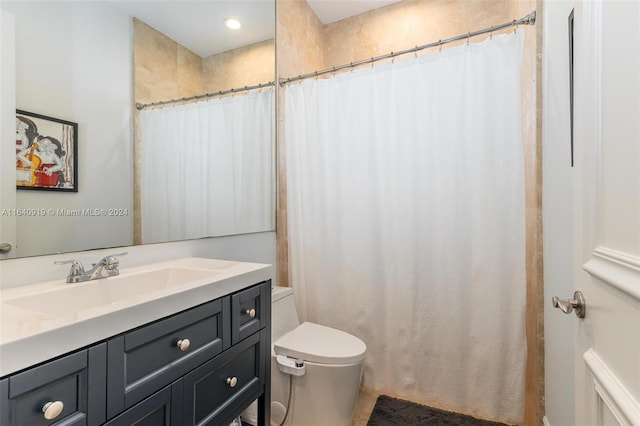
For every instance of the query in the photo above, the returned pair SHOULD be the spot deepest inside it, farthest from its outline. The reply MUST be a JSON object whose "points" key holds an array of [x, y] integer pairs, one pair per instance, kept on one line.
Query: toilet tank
{"points": [[284, 316]]}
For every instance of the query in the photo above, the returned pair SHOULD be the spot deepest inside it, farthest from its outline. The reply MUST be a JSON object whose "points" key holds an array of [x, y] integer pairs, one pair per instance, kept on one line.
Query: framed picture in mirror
{"points": [[46, 153]]}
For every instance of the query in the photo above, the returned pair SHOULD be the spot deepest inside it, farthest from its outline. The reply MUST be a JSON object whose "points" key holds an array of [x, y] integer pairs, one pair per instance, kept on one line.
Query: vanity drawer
{"points": [[216, 391], [161, 408], [250, 310], [144, 360], [64, 385]]}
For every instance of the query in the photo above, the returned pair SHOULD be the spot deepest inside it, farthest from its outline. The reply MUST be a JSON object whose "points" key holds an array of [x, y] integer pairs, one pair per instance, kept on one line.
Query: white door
{"points": [[7, 132], [600, 213]]}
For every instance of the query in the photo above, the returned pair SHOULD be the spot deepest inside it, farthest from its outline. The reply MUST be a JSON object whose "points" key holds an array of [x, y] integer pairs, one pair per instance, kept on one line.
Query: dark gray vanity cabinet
{"points": [[223, 387], [163, 408], [66, 391], [202, 366], [145, 360], [250, 310]]}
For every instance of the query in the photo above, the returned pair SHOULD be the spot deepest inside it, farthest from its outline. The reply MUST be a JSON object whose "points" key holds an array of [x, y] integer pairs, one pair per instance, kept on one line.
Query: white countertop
{"points": [[28, 337]]}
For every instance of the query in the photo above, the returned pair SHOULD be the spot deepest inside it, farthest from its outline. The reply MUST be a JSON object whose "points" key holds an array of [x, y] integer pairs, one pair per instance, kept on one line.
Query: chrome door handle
{"points": [[568, 305]]}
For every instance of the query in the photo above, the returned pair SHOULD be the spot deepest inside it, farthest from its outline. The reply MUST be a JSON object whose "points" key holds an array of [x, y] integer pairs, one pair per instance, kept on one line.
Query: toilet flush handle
{"points": [[293, 366]]}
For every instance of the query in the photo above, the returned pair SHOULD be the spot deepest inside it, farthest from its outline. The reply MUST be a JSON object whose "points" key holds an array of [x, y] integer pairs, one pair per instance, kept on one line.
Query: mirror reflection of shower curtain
{"points": [[406, 212], [207, 168]]}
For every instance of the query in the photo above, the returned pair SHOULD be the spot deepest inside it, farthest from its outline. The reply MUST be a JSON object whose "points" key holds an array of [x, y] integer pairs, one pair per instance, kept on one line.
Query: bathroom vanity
{"points": [[184, 351]]}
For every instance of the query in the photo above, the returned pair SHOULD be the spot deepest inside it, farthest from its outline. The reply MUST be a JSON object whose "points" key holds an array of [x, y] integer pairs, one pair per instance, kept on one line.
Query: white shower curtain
{"points": [[406, 221], [207, 168]]}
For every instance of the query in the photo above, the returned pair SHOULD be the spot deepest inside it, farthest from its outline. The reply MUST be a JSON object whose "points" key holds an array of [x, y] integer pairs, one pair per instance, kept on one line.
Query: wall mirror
{"points": [[89, 62]]}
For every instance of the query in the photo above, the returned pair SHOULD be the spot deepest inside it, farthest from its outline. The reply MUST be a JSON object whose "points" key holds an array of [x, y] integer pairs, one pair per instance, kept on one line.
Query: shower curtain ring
{"points": [[415, 52], [440, 45], [491, 34], [393, 58], [468, 37]]}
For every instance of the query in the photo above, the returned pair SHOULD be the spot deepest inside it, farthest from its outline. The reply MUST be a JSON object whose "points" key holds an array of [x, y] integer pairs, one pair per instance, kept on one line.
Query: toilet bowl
{"points": [[315, 370]]}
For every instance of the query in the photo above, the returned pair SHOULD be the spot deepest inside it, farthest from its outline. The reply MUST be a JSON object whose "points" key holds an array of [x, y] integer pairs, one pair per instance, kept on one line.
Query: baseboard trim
{"points": [[545, 421]]}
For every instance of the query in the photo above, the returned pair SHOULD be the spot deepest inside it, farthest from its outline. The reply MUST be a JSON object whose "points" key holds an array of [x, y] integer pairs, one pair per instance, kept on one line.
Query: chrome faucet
{"points": [[105, 267]]}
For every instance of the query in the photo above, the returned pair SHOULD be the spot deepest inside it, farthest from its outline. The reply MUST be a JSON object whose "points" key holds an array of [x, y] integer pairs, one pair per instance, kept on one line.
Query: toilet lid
{"points": [[323, 345]]}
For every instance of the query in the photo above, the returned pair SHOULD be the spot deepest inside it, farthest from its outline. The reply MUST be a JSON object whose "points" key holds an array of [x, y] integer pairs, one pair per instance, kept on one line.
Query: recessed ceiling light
{"points": [[233, 23]]}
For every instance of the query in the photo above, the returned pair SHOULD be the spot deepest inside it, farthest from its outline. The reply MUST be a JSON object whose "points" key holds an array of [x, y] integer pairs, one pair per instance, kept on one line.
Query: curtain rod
{"points": [[140, 106], [530, 19]]}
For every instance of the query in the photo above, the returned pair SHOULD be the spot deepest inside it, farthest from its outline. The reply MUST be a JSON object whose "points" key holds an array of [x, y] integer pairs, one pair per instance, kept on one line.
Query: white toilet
{"points": [[321, 366]]}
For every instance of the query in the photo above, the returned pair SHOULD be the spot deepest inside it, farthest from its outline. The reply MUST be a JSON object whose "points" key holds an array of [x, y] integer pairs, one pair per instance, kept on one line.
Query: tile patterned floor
{"points": [[364, 405]]}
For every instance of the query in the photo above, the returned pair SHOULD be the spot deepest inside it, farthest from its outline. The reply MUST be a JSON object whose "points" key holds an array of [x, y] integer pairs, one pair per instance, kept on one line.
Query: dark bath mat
{"points": [[391, 411]]}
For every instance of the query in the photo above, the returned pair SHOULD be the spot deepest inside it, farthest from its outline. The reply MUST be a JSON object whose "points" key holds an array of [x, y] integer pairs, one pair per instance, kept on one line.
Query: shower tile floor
{"points": [[364, 406]]}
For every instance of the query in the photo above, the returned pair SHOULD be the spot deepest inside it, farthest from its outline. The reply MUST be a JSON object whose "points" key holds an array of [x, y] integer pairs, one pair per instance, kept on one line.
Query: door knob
{"points": [[568, 305]]}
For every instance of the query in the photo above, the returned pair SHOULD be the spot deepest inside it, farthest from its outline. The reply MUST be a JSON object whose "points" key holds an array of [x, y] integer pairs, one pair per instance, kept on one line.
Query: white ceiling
{"points": [[198, 24]]}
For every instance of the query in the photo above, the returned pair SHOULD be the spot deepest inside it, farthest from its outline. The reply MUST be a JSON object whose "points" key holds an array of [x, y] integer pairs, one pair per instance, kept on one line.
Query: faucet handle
{"points": [[113, 256], [111, 261], [76, 266]]}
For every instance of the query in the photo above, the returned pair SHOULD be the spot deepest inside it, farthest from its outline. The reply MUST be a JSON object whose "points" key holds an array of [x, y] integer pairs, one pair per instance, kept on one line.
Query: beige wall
{"points": [[162, 69], [245, 66], [299, 38], [407, 24], [305, 45], [532, 139]]}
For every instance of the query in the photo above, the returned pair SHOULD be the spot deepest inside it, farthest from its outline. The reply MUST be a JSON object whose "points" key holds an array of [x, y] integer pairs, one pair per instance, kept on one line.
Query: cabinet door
{"points": [[143, 361], [61, 385], [222, 388], [250, 310], [163, 408]]}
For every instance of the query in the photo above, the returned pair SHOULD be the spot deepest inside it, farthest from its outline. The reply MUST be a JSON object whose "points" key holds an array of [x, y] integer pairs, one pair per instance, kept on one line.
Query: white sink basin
{"points": [[40, 321], [107, 291]]}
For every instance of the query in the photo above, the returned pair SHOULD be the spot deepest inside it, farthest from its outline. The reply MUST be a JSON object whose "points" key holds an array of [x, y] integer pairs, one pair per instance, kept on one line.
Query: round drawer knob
{"points": [[183, 344], [232, 381], [52, 409], [251, 312]]}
